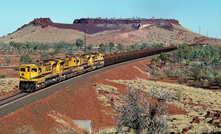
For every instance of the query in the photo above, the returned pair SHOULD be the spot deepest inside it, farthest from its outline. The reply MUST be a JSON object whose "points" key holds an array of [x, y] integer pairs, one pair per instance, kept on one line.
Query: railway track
{"points": [[12, 98], [19, 100]]}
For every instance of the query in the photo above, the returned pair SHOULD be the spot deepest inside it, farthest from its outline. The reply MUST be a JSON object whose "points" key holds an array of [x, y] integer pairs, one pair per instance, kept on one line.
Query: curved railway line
{"points": [[19, 100], [12, 98]]}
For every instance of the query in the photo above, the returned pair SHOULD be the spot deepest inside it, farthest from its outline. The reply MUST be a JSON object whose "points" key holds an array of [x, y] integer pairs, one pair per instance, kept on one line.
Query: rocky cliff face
{"points": [[122, 21], [38, 22], [162, 23], [41, 22]]}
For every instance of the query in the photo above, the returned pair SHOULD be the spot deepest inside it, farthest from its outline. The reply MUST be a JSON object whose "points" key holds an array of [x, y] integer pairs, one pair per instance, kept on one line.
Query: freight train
{"points": [[40, 74]]}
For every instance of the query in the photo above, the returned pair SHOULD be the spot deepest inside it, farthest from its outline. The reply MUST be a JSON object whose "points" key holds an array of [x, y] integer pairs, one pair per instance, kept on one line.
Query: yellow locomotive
{"points": [[43, 73], [39, 74]]}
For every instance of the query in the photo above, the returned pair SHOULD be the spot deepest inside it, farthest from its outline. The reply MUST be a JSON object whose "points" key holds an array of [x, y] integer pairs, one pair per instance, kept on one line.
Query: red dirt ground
{"points": [[77, 102]]}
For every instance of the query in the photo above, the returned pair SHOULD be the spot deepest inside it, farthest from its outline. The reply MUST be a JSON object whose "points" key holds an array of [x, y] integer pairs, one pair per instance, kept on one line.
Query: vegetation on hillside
{"points": [[45, 49], [201, 64]]}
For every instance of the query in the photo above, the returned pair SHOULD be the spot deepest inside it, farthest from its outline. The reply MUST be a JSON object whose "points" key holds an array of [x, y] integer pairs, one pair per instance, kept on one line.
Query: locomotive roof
{"points": [[60, 59], [89, 54], [49, 60], [38, 63]]}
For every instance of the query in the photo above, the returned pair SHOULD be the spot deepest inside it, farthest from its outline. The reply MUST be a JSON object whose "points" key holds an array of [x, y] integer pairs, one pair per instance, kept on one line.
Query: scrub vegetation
{"points": [[197, 66]]}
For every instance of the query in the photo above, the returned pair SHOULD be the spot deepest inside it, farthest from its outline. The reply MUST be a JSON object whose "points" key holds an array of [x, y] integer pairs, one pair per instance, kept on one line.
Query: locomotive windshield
{"points": [[34, 70], [22, 69]]}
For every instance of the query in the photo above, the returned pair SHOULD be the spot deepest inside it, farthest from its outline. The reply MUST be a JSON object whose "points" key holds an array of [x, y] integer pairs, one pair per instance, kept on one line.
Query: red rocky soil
{"points": [[77, 102]]}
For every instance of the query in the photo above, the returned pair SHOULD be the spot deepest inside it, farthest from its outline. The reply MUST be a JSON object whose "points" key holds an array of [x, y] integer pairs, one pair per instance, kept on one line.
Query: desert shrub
{"points": [[186, 80], [152, 71], [218, 80], [26, 59], [155, 60], [161, 76], [3, 75], [165, 58], [198, 74], [209, 76], [8, 60], [169, 72], [44, 57], [164, 96], [179, 73], [180, 80], [199, 84], [160, 95], [146, 70], [153, 93], [179, 93], [216, 72], [135, 115]]}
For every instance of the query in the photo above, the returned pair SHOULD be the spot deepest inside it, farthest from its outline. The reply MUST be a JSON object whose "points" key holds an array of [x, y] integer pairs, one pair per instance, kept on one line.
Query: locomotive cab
{"points": [[79, 64], [99, 60], [28, 77]]}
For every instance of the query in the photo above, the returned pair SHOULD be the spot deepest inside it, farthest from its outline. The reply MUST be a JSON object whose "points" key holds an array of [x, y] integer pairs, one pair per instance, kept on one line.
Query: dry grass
{"points": [[8, 84], [50, 35], [108, 93], [29, 30], [106, 131]]}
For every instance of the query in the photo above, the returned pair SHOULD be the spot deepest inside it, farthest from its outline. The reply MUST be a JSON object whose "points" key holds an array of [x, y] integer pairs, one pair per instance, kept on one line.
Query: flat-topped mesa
{"points": [[91, 24], [121, 21]]}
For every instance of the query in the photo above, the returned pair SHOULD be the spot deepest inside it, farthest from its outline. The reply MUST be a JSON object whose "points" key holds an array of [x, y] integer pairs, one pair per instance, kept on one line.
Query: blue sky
{"points": [[191, 14]]}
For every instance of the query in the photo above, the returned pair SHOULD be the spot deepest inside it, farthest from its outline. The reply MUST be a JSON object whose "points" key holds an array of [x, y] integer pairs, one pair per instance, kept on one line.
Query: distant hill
{"points": [[123, 31]]}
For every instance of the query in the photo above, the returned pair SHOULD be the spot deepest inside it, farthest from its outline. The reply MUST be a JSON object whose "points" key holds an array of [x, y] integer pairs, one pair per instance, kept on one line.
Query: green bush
{"points": [[218, 79], [161, 76], [3, 75], [44, 57], [209, 76], [152, 71], [26, 59], [8, 60], [169, 72], [180, 80], [186, 80], [179, 73]]}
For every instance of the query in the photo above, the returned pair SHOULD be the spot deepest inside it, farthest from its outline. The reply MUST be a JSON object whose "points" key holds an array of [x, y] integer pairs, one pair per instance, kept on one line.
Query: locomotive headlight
{"points": [[22, 74]]}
